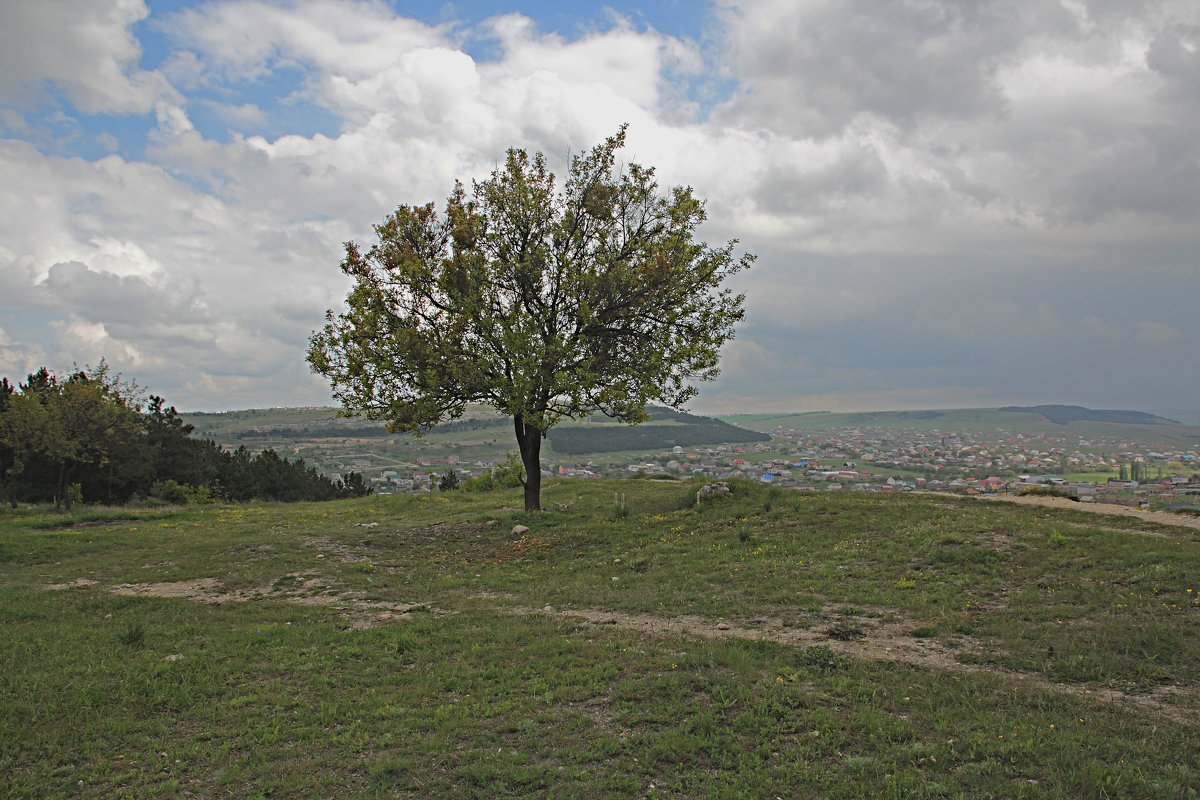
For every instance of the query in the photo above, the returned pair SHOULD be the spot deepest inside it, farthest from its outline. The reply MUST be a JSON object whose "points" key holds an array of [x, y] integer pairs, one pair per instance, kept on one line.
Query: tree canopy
{"points": [[540, 302]]}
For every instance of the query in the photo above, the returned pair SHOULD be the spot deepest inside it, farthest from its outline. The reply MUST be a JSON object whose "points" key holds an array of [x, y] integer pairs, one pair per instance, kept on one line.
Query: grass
{"points": [[472, 694]]}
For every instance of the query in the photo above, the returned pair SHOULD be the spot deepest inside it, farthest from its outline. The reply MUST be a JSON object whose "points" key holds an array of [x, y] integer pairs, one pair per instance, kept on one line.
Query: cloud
{"points": [[952, 203], [85, 47]]}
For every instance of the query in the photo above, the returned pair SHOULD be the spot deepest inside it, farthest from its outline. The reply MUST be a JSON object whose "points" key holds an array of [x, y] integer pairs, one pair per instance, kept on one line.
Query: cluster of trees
{"points": [[87, 437]]}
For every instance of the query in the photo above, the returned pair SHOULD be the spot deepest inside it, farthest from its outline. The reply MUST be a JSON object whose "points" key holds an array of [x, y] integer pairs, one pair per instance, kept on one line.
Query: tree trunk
{"points": [[60, 492], [529, 440]]}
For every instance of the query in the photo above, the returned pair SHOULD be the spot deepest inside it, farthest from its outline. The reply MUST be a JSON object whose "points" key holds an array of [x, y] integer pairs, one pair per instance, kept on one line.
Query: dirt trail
{"points": [[305, 590], [888, 640], [1161, 517]]}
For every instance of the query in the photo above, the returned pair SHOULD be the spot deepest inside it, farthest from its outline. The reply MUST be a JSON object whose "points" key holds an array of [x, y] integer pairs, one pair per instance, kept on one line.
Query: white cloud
{"points": [[85, 47]]}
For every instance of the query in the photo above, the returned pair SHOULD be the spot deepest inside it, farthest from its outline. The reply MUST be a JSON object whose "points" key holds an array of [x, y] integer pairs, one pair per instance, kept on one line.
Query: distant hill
{"points": [[1134, 426], [1064, 415], [666, 429], [288, 427]]}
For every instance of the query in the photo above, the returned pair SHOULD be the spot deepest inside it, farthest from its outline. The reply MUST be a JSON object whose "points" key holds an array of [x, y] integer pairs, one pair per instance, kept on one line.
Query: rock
{"points": [[712, 490], [519, 529], [491, 522], [722, 626], [320, 555], [366, 524], [174, 657]]}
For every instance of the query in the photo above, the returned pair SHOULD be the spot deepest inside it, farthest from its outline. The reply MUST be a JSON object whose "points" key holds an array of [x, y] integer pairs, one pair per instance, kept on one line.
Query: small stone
{"points": [[491, 522], [519, 529], [108, 616], [548, 609], [722, 626], [174, 657], [320, 555], [615, 578]]}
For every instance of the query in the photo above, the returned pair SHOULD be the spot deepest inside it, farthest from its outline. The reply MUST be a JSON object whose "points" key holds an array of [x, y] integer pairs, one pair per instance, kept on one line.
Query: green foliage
{"points": [[354, 485], [86, 438], [508, 474], [448, 482], [542, 303]]}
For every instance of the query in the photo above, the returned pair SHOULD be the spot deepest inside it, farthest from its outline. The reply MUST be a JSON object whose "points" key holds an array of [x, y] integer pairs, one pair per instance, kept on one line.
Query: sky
{"points": [[952, 204]]}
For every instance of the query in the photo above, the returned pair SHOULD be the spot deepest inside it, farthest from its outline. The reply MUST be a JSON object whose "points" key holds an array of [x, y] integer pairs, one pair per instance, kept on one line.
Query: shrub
{"points": [[1047, 491], [170, 491], [509, 474]]}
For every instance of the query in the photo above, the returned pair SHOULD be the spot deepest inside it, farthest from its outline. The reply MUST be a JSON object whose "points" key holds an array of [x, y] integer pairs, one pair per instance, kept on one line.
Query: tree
{"points": [[543, 304]]}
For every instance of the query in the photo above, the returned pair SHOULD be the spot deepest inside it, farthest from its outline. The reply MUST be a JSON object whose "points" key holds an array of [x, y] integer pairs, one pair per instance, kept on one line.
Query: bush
{"points": [[170, 491], [507, 475], [180, 494]]}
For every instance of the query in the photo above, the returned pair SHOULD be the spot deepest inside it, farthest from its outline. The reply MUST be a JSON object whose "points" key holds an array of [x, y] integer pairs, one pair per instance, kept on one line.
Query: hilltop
{"points": [[1136, 426], [763, 643], [1064, 415]]}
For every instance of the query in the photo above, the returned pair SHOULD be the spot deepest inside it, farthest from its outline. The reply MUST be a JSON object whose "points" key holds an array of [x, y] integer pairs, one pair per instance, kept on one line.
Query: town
{"points": [[1113, 470]]}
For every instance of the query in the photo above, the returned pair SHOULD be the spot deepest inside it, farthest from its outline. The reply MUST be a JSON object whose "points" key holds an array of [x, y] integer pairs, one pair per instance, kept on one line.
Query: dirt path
{"points": [[1161, 517], [888, 640], [885, 642]]}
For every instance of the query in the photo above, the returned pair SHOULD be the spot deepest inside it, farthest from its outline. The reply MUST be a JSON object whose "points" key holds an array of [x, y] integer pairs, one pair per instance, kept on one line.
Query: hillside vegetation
{"points": [[665, 429], [1136, 426], [761, 644]]}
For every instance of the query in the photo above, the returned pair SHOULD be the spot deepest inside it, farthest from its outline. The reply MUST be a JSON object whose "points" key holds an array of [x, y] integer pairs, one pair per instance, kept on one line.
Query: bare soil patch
{"points": [[881, 641], [1160, 517], [305, 590], [92, 523], [78, 583]]}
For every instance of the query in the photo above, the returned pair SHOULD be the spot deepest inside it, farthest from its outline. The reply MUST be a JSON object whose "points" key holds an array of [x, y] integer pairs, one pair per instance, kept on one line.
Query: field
{"points": [[629, 644]]}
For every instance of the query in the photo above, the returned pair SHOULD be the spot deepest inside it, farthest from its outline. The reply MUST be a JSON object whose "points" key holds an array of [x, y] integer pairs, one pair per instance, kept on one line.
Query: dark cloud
{"points": [[129, 301]]}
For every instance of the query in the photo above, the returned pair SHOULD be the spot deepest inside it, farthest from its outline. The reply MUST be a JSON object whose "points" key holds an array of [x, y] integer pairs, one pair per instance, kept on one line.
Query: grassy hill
{"points": [[1132, 425], [763, 644]]}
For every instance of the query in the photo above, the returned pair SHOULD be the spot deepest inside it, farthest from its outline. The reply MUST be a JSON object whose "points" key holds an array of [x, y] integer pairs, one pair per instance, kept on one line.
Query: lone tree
{"points": [[542, 303]]}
